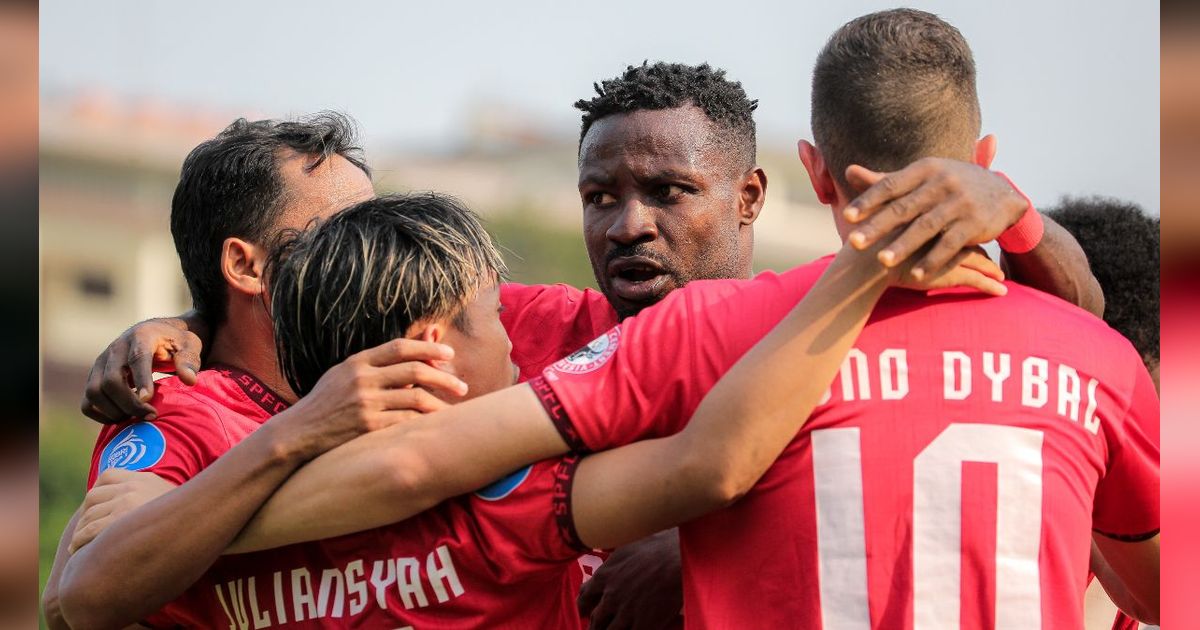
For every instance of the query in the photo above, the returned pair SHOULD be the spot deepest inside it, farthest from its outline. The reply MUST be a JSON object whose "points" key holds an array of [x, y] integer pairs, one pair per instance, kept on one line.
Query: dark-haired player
{"points": [[236, 194], [1121, 242]]}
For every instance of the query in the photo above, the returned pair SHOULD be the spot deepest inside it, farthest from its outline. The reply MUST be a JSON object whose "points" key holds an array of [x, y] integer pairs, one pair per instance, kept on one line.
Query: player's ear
{"points": [[425, 331], [242, 265], [818, 172], [754, 193], [985, 150]]}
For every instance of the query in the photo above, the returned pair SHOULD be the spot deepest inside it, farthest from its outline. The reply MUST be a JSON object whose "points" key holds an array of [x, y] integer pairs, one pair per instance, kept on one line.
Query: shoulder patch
{"points": [[136, 447], [505, 486], [590, 357]]}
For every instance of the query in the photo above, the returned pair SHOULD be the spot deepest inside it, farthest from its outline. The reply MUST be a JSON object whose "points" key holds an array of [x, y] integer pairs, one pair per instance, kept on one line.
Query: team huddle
{"points": [[369, 426]]}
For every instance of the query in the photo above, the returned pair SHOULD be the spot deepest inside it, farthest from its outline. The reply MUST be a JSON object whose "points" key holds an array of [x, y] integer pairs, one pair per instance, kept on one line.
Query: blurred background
{"points": [[474, 99]]}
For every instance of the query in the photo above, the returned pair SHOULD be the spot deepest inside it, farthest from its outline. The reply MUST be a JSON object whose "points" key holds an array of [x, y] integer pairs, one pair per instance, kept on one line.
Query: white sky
{"points": [[1070, 88]]}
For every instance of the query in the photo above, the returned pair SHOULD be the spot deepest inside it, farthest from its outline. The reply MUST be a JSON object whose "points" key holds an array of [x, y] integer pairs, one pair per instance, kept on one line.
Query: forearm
{"points": [[742, 425], [389, 475], [50, 596], [211, 508], [1135, 566], [1058, 266]]}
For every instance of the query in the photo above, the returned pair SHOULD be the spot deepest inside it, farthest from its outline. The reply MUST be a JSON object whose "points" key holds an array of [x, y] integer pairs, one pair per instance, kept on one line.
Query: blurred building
{"points": [[108, 169]]}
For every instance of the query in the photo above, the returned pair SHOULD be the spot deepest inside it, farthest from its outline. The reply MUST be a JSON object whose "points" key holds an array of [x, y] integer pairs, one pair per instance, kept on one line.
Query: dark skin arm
{"points": [[367, 392], [954, 204]]}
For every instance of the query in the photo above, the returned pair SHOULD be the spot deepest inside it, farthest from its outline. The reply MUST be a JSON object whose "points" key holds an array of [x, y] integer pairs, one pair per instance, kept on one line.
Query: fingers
{"points": [[861, 178], [422, 375], [411, 399], [977, 259], [589, 596], [115, 385], [892, 186], [85, 534], [895, 214], [96, 404], [967, 270], [400, 350], [187, 358], [141, 371], [943, 251], [920, 233]]}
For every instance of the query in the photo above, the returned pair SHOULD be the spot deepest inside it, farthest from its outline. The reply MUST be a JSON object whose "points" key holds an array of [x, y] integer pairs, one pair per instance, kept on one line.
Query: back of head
{"points": [[670, 85], [230, 186], [370, 272], [1122, 247], [892, 87]]}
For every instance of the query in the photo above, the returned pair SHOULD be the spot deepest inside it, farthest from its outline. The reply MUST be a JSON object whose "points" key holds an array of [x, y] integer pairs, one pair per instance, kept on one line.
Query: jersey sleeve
{"points": [[644, 378], [187, 436], [545, 322], [525, 517], [1126, 504]]}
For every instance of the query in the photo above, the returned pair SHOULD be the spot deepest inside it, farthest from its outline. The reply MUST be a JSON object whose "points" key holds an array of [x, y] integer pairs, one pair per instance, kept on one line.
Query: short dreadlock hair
{"points": [[1121, 244], [670, 85]]}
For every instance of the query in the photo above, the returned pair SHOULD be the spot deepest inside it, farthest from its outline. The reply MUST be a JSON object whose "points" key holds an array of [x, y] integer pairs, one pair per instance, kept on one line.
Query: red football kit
{"points": [[495, 556], [952, 476]]}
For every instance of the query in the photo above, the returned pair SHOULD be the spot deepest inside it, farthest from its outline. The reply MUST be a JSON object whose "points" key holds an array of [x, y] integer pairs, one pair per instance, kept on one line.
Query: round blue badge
{"points": [[505, 486], [137, 447]]}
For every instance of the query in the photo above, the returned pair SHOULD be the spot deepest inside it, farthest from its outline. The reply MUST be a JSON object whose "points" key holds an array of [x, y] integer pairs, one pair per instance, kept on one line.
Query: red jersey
{"points": [[494, 559], [952, 476], [195, 425], [548, 322]]}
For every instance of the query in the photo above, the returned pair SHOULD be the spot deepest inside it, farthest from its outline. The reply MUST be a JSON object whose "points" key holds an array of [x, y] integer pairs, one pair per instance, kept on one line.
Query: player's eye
{"points": [[599, 198], [670, 193]]}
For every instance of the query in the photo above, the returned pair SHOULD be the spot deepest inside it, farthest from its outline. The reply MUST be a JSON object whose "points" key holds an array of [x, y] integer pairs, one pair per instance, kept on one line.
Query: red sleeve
{"points": [[187, 436], [644, 378], [1126, 505], [524, 516], [546, 322]]}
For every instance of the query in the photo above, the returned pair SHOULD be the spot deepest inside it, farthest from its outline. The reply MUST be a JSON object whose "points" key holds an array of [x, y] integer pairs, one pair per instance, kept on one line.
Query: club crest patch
{"points": [[505, 486], [590, 357], [137, 447]]}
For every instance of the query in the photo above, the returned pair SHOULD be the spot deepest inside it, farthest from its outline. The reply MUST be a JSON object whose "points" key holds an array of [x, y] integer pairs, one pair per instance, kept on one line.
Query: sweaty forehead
{"points": [[319, 193], [649, 140]]}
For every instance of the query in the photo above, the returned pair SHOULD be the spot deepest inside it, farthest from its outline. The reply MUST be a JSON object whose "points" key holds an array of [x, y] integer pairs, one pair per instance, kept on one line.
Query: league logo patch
{"points": [[505, 486], [138, 447], [592, 356]]}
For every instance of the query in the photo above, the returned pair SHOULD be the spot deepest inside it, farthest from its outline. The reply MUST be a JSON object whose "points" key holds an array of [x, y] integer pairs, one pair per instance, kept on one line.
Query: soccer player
{"points": [[670, 190], [421, 266], [1122, 245], [957, 469], [236, 193]]}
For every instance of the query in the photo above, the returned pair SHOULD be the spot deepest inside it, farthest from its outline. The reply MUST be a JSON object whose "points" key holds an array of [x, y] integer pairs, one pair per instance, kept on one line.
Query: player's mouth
{"points": [[638, 279]]}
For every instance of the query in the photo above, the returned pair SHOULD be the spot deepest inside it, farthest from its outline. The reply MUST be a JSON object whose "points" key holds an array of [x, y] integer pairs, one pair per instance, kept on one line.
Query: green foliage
{"points": [[541, 253], [65, 453]]}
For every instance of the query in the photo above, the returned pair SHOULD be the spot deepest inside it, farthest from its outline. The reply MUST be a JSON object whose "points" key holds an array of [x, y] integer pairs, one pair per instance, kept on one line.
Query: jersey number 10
{"points": [[936, 525]]}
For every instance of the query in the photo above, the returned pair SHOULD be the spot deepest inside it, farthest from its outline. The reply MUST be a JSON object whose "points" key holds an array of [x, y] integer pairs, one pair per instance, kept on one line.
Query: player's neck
{"points": [[245, 341]]}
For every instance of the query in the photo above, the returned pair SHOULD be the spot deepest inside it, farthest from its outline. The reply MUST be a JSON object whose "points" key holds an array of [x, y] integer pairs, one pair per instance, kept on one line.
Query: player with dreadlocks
{"points": [[1122, 245]]}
